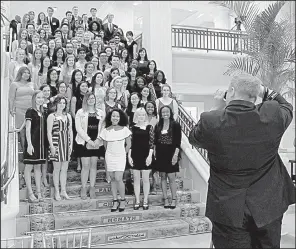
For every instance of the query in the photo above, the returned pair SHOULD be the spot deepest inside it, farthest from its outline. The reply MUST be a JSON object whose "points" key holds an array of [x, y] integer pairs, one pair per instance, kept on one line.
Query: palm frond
{"points": [[243, 65], [247, 11]]}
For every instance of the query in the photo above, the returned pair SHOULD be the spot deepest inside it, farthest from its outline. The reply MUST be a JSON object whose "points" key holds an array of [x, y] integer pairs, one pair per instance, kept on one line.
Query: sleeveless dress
{"points": [[60, 139], [171, 105], [142, 142], [22, 101], [37, 138], [115, 153]]}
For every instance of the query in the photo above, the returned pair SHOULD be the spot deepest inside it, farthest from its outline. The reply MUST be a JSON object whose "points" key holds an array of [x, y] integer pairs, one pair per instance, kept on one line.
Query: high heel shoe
{"points": [[145, 206], [121, 209], [166, 203], [114, 209], [32, 198], [40, 197], [64, 195], [173, 206], [137, 206]]}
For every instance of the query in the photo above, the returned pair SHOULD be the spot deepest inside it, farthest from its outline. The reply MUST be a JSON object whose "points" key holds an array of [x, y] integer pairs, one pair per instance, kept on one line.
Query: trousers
{"points": [[249, 235]]}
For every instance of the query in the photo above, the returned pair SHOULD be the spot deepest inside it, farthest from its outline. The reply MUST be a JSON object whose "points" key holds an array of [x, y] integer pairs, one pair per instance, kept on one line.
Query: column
{"points": [[157, 35]]}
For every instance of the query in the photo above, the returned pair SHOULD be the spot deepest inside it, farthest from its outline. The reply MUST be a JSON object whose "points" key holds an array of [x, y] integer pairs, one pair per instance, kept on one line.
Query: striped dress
{"points": [[60, 139]]}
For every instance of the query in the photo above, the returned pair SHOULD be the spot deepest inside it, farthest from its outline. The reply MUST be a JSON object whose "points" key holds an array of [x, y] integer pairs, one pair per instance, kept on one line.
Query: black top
{"points": [[130, 49], [242, 141]]}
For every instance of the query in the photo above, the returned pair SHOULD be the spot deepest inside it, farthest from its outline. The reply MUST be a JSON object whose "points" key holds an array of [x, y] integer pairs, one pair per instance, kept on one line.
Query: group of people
{"points": [[81, 91]]}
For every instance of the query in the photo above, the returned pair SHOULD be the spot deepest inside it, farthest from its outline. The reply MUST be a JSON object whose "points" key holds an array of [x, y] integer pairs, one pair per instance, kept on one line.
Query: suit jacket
{"points": [[109, 34], [64, 41], [245, 168], [90, 19], [55, 24]]}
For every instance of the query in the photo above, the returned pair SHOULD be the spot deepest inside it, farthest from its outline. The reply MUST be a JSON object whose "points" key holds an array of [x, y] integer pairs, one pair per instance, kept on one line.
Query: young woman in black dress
{"points": [[131, 45], [158, 81], [76, 104], [143, 62], [88, 122], [140, 155], [47, 109], [34, 154], [167, 148], [52, 80]]}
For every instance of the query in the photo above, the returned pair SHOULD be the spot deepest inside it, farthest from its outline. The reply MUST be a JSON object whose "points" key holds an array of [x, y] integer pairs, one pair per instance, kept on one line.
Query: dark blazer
{"points": [[108, 35], [242, 141], [55, 24], [30, 48], [90, 19], [64, 41]]}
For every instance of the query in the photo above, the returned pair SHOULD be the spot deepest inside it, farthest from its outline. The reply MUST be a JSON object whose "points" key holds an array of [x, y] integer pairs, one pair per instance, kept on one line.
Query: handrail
{"points": [[187, 123]]}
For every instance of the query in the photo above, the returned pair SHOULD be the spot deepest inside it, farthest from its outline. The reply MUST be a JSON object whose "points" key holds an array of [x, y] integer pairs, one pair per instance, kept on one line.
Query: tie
{"points": [[103, 68], [110, 26], [50, 20]]}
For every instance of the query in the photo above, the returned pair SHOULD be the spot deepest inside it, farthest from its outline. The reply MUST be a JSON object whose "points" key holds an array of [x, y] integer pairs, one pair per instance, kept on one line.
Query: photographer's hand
{"points": [[219, 102]]}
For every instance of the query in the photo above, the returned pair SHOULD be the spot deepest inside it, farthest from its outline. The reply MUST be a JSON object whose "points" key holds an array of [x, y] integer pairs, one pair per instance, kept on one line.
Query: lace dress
{"points": [[165, 145], [142, 142]]}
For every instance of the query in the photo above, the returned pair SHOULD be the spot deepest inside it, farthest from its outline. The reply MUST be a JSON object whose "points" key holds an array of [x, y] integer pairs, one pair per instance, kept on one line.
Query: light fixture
{"points": [[137, 3]]}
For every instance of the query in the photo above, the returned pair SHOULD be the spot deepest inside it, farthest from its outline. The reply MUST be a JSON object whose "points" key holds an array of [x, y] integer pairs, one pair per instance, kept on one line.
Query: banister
{"points": [[203, 28]]}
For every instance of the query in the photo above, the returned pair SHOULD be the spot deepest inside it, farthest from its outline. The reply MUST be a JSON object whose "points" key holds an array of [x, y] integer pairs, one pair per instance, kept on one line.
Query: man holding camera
{"points": [[249, 187]]}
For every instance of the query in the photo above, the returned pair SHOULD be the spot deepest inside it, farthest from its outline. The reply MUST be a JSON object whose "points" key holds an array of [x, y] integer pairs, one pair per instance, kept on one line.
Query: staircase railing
{"points": [[187, 123], [211, 39]]}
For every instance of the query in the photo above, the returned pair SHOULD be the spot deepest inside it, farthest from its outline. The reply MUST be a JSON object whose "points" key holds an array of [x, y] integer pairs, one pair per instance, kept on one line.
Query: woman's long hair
{"points": [[155, 107], [85, 99], [48, 81], [40, 73], [129, 103], [73, 82], [34, 100], [139, 57], [20, 73], [93, 80], [160, 123], [123, 119]]}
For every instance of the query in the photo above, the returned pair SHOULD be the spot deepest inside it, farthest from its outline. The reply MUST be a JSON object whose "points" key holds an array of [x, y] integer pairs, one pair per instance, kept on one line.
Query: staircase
{"points": [[106, 227]]}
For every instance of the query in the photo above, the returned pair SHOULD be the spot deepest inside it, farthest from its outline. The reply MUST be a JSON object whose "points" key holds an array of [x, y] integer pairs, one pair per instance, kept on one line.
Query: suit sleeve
{"points": [[286, 109], [197, 135]]}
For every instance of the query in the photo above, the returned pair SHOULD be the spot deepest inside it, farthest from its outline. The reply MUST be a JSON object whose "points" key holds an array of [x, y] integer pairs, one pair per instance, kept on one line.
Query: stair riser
{"points": [[44, 222], [144, 232]]}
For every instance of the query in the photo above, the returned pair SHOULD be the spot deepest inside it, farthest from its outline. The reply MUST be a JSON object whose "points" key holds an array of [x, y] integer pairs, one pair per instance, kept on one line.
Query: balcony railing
{"points": [[211, 39]]}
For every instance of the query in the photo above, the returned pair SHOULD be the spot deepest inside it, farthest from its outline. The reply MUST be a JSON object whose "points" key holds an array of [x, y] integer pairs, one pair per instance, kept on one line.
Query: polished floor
{"points": [[203, 240]]}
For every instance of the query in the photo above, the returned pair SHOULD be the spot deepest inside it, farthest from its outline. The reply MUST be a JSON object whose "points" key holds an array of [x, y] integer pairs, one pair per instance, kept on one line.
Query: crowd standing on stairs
{"points": [[81, 91]]}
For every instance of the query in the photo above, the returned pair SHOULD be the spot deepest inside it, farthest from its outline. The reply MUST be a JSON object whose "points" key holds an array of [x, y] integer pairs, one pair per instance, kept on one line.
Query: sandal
{"points": [[173, 206], [120, 208], [166, 203], [40, 197], [145, 206], [32, 198], [64, 195], [57, 196], [137, 206], [114, 209]]}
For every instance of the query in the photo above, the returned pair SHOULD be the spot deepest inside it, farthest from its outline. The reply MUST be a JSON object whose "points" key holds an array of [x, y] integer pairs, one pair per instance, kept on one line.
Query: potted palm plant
{"points": [[3, 17], [269, 51]]}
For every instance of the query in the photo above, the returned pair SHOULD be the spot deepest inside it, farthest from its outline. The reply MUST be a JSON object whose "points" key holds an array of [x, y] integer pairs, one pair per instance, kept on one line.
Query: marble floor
{"points": [[203, 240]]}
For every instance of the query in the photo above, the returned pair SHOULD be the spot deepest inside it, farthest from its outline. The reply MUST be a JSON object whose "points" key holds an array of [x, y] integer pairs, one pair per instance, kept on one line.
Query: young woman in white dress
{"points": [[115, 136]]}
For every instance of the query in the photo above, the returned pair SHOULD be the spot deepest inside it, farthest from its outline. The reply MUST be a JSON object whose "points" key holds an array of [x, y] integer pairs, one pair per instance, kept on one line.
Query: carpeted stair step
{"points": [[137, 231], [103, 201], [91, 218], [74, 188]]}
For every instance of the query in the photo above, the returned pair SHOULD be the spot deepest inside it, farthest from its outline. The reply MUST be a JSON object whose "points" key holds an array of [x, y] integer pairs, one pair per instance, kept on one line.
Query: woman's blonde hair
{"points": [[112, 83], [34, 100], [17, 51], [136, 115]]}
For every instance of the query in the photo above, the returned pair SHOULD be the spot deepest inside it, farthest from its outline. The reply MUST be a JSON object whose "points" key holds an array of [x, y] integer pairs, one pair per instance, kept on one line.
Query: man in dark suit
{"points": [[249, 186], [94, 17], [109, 28], [53, 22], [66, 36]]}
